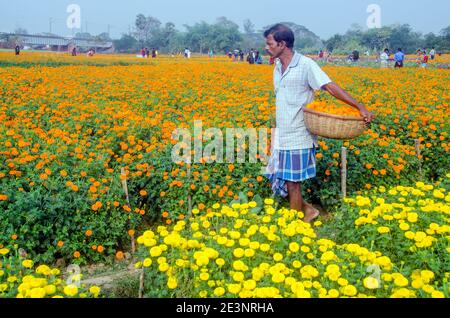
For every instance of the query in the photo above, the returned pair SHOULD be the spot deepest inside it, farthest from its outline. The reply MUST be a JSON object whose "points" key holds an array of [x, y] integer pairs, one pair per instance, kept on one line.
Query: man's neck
{"points": [[286, 58]]}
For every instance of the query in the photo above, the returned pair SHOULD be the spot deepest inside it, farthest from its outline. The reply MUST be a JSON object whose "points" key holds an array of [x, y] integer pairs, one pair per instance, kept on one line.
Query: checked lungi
{"points": [[292, 166]]}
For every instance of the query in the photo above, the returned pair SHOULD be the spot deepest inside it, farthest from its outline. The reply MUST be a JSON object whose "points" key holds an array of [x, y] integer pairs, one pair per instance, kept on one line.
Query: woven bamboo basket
{"points": [[334, 126]]}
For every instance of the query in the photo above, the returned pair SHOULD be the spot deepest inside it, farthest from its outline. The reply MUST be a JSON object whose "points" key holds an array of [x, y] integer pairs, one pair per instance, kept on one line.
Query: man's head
{"points": [[278, 39], [399, 49]]}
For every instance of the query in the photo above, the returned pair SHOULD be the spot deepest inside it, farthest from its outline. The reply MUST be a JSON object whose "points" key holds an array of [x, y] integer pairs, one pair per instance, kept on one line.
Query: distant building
{"points": [[54, 43]]}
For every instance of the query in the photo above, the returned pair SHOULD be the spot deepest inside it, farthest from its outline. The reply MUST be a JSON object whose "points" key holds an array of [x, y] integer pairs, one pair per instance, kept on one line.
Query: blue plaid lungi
{"points": [[292, 166]]}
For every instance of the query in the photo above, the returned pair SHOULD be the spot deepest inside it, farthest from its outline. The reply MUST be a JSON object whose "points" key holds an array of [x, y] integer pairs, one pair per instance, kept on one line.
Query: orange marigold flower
{"points": [[119, 255], [76, 254]]}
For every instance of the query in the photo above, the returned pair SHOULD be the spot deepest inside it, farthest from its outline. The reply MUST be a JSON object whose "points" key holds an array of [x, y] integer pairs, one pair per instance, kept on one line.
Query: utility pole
{"points": [[51, 20]]}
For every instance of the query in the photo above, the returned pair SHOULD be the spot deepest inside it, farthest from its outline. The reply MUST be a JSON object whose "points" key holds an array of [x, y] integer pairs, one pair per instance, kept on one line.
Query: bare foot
{"points": [[310, 213]]}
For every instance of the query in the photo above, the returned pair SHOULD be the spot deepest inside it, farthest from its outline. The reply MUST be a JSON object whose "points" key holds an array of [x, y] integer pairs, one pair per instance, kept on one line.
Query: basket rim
{"points": [[349, 118]]}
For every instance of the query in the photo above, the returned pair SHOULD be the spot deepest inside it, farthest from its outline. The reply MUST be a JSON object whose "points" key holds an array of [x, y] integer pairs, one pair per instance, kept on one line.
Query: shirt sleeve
{"points": [[317, 78]]}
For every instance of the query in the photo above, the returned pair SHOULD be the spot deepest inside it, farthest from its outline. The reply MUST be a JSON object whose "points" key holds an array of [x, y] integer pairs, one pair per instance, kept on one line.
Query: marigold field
{"points": [[74, 130]]}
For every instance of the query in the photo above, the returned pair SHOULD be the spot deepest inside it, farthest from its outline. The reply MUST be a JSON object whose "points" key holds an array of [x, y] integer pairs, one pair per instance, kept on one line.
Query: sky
{"points": [[323, 17]]}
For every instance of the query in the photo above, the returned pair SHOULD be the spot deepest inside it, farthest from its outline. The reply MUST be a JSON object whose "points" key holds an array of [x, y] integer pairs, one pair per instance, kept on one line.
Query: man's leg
{"points": [[297, 203]]}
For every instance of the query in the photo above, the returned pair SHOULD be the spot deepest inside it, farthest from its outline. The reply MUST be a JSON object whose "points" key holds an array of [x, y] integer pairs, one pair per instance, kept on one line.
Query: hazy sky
{"points": [[324, 17]]}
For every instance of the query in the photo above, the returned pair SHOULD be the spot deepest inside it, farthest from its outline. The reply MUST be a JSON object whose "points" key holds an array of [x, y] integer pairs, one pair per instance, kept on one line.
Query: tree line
{"points": [[224, 35]]}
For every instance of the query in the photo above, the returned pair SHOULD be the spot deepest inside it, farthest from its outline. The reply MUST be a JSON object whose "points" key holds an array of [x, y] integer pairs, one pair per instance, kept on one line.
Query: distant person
{"points": [[384, 58], [355, 55], [432, 53], [425, 61], [211, 53], [17, 50], [251, 57], [321, 55], [74, 51], [153, 53], [258, 58], [399, 58], [241, 55], [419, 57], [271, 60]]}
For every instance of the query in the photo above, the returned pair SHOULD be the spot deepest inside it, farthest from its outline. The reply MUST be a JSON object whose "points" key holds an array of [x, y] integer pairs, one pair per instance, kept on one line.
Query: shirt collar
{"points": [[294, 62]]}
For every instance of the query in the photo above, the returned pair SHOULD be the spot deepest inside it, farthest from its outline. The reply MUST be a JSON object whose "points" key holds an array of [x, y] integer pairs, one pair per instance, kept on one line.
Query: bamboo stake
{"points": [[141, 284], [344, 173], [417, 145], [189, 189], [125, 189]]}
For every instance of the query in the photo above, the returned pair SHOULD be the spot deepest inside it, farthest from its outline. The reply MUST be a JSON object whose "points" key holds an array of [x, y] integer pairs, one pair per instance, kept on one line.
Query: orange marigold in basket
{"points": [[334, 109]]}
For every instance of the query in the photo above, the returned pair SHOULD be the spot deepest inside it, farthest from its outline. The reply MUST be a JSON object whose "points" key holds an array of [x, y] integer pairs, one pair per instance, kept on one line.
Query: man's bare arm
{"points": [[336, 91]]}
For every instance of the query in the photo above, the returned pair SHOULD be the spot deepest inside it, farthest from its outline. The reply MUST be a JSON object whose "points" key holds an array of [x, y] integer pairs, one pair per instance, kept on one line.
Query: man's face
{"points": [[273, 47]]}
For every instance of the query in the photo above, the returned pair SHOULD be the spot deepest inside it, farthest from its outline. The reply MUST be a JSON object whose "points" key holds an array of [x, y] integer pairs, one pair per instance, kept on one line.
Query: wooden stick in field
{"points": [[344, 173], [125, 189], [418, 153]]}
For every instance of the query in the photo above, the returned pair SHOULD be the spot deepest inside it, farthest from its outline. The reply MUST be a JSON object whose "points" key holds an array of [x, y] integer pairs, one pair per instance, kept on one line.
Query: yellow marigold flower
{"points": [[404, 226], [4, 251], [238, 276], [219, 291], [37, 293], [172, 283], [437, 294], [249, 252], [27, 263], [220, 262], [239, 252], [234, 288], [383, 230], [147, 262], [250, 284], [204, 276], [155, 251], [401, 281], [297, 264], [371, 283], [95, 291], [278, 278], [50, 289], [71, 290], [349, 290], [277, 257], [294, 247]]}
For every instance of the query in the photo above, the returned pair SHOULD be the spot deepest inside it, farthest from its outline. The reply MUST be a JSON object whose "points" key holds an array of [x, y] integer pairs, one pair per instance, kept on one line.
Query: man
{"points": [[399, 58], [17, 50], [432, 53], [296, 77], [384, 58]]}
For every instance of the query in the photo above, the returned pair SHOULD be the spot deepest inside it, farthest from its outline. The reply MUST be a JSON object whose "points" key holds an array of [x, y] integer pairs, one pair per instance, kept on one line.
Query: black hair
{"points": [[280, 33]]}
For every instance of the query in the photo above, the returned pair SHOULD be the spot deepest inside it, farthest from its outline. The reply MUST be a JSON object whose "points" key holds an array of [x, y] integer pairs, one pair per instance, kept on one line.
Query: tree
{"points": [[249, 27], [20, 30], [126, 43], [83, 35], [141, 28], [102, 37]]}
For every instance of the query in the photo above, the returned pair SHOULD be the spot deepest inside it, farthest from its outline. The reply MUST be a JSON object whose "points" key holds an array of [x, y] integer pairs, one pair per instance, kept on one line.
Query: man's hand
{"points": [[367, 115]]}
